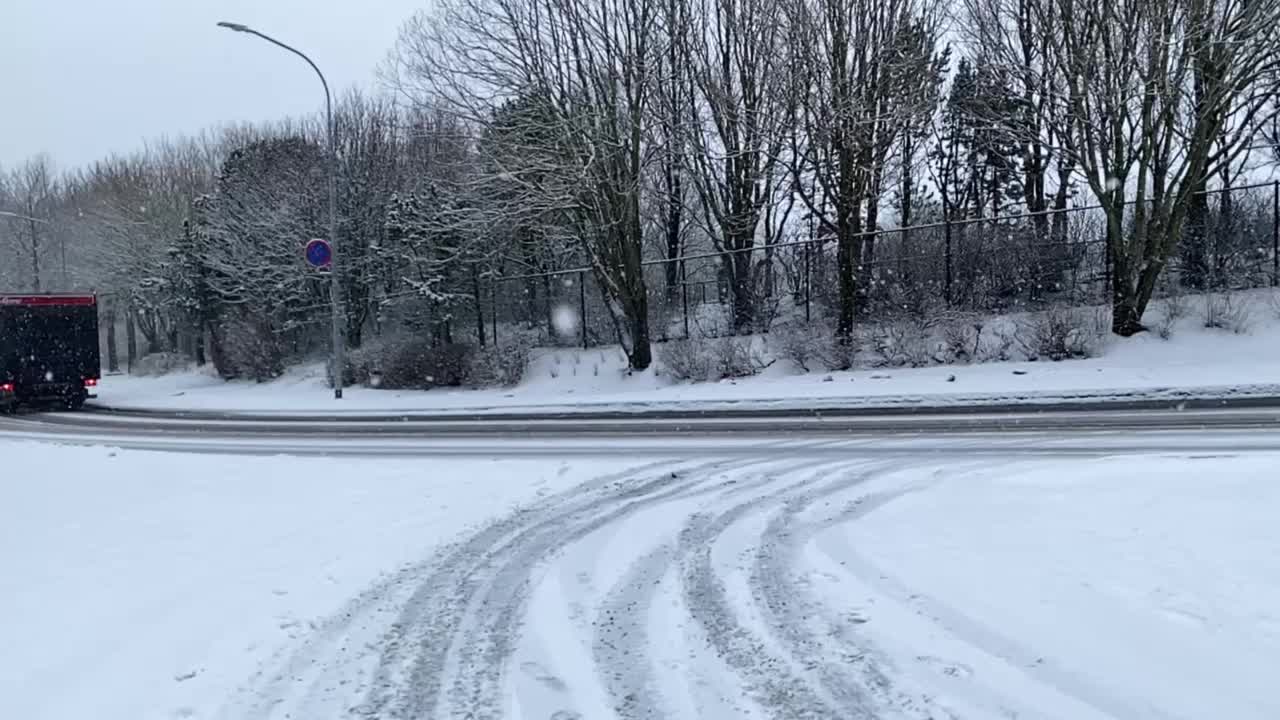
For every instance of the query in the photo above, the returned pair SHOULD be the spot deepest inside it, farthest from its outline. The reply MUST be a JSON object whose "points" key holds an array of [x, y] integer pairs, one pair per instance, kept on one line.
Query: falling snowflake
{"points": [[565, 320]]}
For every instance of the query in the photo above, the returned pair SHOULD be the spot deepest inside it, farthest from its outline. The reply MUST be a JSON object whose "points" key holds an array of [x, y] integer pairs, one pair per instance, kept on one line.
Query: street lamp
{"points": [[335, 285], [28, 218], [35, 247]]}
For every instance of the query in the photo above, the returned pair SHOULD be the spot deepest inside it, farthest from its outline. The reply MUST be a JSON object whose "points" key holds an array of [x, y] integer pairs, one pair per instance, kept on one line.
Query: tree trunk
{"points": [[35, 255], [741, 287], [867, 255], [635, 295], [131, 336], [1195, 255], [156, 335], [848, 245], [198, 338], [475, 291], [355, 330], [548, 310], [1126, 311], [1224, 238], [675, 211], [113, 349]]}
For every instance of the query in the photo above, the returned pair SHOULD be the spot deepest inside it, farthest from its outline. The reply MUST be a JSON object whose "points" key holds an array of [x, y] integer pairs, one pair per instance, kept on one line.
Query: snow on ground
{"points": [[779, 583], [1195, 361], [1121, 587], [142, 586]]}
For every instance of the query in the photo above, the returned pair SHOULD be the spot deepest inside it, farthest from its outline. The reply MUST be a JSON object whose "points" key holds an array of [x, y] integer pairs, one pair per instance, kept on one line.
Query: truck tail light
{"points": [[6, 388], [91, 382]]}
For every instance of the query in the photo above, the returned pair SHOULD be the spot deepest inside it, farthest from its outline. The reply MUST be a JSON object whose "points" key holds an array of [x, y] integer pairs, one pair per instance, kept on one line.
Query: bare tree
{"points": [[1014, 38], [853, 61], [740, 129], [1160, 94], [586, 70], [673, 129], [31, 191]]}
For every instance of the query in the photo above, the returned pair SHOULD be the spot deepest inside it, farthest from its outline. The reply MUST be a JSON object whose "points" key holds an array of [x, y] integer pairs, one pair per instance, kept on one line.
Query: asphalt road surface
{"points": [[1115, 427]]}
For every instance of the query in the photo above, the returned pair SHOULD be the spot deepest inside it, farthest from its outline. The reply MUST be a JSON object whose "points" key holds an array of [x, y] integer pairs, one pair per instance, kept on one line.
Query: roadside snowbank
{"points": [[142, 586], [1195, 361]]}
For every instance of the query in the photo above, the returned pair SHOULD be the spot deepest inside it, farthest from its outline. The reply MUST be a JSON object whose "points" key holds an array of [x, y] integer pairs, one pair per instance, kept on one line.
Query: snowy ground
{"points": [[775, 584], [142, 586], [1195, 361]]}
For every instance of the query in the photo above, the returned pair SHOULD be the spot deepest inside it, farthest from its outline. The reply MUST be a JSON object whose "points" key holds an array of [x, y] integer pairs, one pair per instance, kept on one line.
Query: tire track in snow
{"points": [[621, 639], [621, 643], [846, 666], [846, 676], [309, 671], [979, 636], [771, 680], [501, 610], [462, 623]]}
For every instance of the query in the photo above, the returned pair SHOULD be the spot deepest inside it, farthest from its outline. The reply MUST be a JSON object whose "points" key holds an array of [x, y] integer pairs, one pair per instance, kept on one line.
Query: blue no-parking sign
{"points": [[319, 254]]}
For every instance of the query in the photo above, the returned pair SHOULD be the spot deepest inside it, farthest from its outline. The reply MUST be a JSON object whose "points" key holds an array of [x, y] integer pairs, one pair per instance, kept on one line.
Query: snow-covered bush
{"points": [[503, 364], [1176, 307], [1060, 334], [1228, 311], [702, 359], [908, 342], [687, 359], [250, 349], [995, 342], [802, 344], [840, 353], [408, 362], [365, 361], [161, 363], [734, 358], [962, 337], [417, 363]]}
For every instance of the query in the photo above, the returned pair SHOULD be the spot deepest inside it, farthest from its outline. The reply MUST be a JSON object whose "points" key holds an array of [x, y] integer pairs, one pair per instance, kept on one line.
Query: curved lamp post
{"points": [[335, 284]]}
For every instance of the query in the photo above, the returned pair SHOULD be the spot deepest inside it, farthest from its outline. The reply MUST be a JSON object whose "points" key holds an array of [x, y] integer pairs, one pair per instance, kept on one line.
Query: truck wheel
{"points": [[73, 402]]}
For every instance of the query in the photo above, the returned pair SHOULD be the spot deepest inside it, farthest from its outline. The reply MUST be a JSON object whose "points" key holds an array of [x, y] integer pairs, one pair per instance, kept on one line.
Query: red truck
{"points": [[48, 349]]}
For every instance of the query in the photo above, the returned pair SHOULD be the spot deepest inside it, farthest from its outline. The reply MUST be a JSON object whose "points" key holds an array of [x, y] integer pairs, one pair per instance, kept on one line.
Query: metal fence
{"points": [[985, 265]]}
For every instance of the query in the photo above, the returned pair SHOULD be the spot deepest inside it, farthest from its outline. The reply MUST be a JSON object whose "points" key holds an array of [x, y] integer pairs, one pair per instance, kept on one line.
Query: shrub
{"points": [[1059, 334], [687, 359], [839, 353], [733, 357], [418, 364], [960, 339], [1227, 311], [1176, 307], [161, 363], [907, 342], [701, 359], [503, 364], [250, 349], [801, 344], [995, 344]]}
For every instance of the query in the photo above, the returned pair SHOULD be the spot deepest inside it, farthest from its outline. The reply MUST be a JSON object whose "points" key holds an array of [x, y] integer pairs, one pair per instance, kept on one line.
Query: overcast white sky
{"points": [[80, 79]]}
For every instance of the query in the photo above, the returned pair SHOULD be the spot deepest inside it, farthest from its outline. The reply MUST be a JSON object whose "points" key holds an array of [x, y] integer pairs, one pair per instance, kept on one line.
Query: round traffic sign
{"points": [[319, 254]]}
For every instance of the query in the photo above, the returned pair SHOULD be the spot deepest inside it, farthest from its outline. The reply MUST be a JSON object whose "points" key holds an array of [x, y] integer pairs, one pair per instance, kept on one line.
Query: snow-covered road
{"points": [[802, 583]]}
